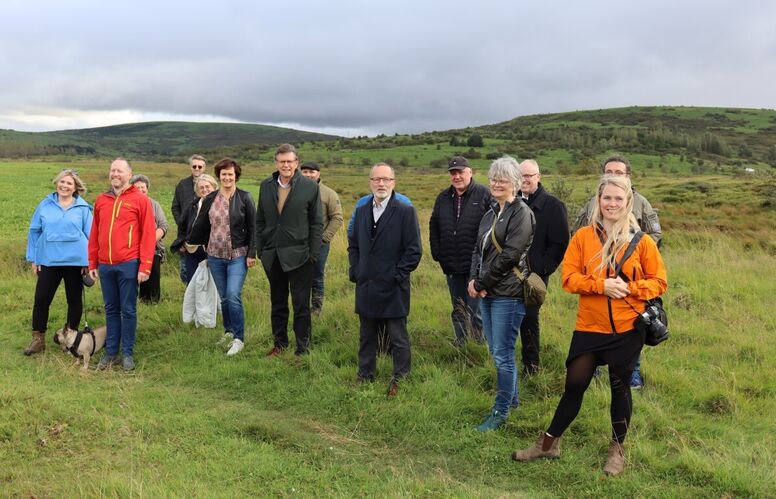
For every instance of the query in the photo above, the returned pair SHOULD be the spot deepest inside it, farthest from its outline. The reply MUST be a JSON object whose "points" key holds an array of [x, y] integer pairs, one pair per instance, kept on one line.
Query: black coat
{"points": [[294, 235], [187, 218], [491, 270], [452, 240], [551, 236], [184, 196], [380, 265], [242, 220]]}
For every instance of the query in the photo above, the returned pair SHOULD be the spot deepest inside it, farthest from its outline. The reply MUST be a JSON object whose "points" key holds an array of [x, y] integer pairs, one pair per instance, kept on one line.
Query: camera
{"points": [[653, 323]]}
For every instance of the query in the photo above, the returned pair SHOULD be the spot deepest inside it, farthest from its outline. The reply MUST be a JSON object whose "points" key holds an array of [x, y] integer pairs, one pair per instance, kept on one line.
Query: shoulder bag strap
{"points": [[517, 272]]}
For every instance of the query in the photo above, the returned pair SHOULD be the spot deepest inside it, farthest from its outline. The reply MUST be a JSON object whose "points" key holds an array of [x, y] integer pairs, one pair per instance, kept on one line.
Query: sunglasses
{"points": [[197, 167]]}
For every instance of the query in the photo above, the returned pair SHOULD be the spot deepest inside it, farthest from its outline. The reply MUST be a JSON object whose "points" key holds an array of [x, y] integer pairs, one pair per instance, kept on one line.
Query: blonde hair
{"points": [[80, 187], [619, 236], [207, 178]]}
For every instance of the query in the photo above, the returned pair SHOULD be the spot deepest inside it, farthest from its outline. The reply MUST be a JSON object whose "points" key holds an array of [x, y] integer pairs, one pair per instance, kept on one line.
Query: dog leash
{"points": [[87, 330]]}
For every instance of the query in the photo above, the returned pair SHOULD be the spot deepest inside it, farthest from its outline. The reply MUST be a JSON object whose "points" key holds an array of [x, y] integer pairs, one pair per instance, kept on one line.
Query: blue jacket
{"points": [[60, 237], [368, 199]]}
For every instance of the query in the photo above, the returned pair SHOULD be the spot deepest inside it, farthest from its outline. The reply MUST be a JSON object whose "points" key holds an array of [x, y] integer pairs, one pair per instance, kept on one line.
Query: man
{"points": [[453, 228], [184, 196], [332, 221], [288, 238], [551, 237], [383, 250], [121, 254], [645, 215]]}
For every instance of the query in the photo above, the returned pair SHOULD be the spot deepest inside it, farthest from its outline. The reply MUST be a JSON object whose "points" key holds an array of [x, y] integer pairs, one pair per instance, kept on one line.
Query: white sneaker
{"points": [[235, 347], [226, 339]]}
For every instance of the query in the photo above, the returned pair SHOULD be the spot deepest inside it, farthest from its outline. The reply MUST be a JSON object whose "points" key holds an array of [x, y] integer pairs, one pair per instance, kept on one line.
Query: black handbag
{"points": [[654, 320]]}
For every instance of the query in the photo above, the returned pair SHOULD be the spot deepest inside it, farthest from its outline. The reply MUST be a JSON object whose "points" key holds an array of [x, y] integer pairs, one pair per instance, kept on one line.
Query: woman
{"points": [[193, 253], [57, 248], [605, 331], [505, 233], [150, 291], [226, 225]]}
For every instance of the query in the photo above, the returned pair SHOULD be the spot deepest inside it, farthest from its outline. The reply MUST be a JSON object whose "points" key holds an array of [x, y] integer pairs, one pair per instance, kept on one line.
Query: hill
{"points": [[160, 139]]}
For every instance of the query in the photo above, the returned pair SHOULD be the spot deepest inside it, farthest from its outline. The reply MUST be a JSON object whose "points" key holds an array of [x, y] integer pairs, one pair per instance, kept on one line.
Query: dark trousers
{"points": [[466, 317], [529, 337], [299, 281], [48, 282], [190, 262], [150, 291], [396, 329], [318, 277]]}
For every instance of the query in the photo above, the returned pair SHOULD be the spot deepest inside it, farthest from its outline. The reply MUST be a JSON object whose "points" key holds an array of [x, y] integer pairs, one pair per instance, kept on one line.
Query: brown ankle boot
{"points": [[38, 344], [615, 460], [537, 451]]}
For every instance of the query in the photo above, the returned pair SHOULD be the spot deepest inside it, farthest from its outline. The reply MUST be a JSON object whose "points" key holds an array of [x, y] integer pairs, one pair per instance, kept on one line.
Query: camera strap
{"points": [[628, 252]]}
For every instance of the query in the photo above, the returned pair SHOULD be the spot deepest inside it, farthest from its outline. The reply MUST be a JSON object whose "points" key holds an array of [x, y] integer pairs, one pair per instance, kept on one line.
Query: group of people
{"points": [[487, 239]]}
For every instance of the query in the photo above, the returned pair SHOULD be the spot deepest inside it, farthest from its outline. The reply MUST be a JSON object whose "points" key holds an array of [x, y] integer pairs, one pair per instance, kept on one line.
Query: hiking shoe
{"points": [[38, 344], [615, 460], [536, 452], [128, 363], [492, 422], [106, 361], [275, 352], [226, 339], [235, 347]]}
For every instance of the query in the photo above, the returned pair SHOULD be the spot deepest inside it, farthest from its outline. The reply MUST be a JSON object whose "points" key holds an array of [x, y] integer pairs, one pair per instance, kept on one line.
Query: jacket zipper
{"points": [[129, 244], [116, 210], [611, 317]]}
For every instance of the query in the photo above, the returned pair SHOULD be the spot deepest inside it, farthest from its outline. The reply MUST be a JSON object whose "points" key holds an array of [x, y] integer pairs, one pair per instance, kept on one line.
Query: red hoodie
{"points": [[123, 229]]}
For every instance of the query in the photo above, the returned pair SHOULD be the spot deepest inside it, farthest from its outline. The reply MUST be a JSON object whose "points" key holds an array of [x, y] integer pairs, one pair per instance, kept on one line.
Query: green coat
{"points": [[293, 236]]}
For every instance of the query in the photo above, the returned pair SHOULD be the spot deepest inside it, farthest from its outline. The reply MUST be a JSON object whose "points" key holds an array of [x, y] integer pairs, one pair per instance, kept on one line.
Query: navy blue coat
{"points": [[381, 265]]}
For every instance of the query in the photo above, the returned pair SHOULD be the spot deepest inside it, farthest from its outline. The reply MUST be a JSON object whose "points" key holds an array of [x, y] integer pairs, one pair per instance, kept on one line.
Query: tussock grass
{"points": [[191, 422]]}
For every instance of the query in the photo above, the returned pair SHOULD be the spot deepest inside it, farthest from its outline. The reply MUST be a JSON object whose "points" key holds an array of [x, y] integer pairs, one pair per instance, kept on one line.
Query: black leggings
{"points": [[578, 376], [48, 282]]}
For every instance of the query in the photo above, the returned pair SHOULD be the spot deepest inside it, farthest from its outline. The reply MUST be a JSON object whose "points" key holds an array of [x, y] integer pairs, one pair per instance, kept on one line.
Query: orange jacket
{"points": [[597, 313], [123, 229]]}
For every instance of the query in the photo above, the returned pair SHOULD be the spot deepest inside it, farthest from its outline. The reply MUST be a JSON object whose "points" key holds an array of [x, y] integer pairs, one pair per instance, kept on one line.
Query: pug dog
{"points": [[82, 344]]}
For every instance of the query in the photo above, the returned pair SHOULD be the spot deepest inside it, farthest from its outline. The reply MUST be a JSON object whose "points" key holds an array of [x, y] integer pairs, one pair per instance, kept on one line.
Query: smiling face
{"points": [[313, 175], [228, 178], [204, 188], [612, 202], [529, 178], [197, 167], [286, 164], [66, 187], [119, 175], [141, 186], [460, 179], [501, 189]]}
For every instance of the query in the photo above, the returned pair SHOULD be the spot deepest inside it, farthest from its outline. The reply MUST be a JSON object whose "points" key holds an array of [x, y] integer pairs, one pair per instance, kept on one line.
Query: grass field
{"points": [[190, 422]]}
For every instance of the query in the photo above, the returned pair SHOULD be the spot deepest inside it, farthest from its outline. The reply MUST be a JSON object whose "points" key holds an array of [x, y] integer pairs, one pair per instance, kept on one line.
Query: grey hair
{"points": [[194, 157], [139, 177], [506, 167], [530, 162], [205, 178], [382, 163]]}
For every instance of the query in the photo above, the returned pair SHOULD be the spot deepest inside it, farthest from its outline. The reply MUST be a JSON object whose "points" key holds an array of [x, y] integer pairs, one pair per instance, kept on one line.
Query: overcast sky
{"points": [[356, 67]]}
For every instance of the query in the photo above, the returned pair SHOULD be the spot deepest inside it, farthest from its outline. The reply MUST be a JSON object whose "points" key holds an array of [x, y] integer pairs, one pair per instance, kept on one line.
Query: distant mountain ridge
{"points": [[150, 139]]}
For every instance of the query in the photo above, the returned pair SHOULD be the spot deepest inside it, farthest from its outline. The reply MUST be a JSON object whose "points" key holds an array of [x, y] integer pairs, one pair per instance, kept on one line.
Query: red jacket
{"points": [[123, 229], [597, 313]]}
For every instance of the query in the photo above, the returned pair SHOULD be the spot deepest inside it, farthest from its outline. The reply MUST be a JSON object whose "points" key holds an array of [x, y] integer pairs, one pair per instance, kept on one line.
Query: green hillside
{"points": [[158, 139]]}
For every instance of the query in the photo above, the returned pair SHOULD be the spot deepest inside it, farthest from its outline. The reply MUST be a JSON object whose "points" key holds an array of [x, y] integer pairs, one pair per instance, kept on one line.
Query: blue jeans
{"points": [[229, 276], [636, 375], [466, 315], [501, 317], [119, 292], [318, 272]]}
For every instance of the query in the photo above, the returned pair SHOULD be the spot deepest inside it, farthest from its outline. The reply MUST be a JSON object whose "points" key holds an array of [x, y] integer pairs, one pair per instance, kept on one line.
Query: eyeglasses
{"points": [[615, 172], [381, 180], [529, 176], [499, 181], [198, 167], [286, 161]]}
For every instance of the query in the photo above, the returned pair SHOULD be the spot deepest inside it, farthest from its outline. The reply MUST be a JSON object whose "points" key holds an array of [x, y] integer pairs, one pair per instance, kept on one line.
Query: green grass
{"points": [[190, 422]]}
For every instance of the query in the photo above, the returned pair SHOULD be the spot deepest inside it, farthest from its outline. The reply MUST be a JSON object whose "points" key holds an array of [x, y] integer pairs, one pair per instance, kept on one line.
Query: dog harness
{"points": [[78, 337]]}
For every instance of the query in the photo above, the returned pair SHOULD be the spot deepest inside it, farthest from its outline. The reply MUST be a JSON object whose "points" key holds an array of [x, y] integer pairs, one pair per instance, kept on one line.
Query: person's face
{"points": [[286, 164], [460, 179], [612, 203], [66, 186], [530, 177], [197, 168], [381, 182], [142, 187], [313, 175], [228, 178], [501, 188], [204, 188], [615, 168], [120, 174]]}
